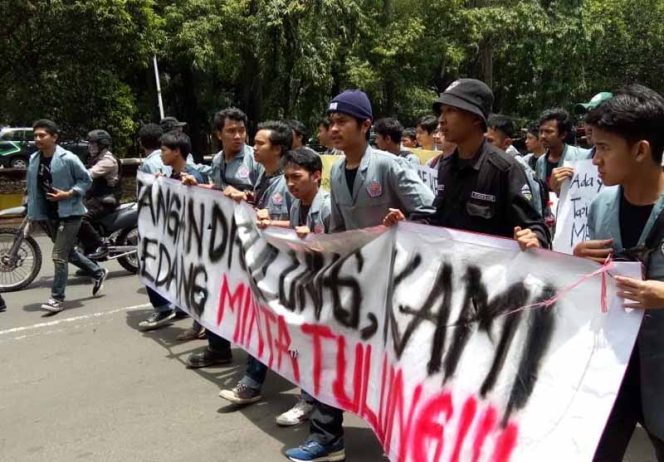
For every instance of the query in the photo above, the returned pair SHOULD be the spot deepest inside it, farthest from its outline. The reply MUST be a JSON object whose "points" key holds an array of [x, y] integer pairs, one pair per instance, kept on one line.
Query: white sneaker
{"points": [[53, 306], [295, 415]]}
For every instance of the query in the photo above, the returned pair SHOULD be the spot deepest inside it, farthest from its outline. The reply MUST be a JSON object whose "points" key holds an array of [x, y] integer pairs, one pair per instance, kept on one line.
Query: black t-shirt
{"points": [[304, 212], [350, 178], [633, 219], [45, 182], [549, 168]]}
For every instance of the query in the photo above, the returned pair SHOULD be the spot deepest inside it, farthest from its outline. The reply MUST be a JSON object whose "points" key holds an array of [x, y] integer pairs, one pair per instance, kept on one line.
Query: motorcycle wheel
{"points": [[20, 275], [129, 236]]}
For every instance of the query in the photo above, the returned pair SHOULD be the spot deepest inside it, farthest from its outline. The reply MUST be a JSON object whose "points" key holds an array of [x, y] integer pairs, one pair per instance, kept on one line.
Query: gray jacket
{"points": [[382, 182], [603, 223], [242, 172], [318, 218], [275, 197]]}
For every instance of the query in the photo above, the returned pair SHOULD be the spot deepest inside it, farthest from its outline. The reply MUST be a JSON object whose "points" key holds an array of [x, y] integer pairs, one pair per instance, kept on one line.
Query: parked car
{"points": [[17, 143]]}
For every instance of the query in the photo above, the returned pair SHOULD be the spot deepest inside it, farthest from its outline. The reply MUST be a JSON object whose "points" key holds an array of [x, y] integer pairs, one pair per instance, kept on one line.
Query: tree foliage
{"points": [[87, 63]]}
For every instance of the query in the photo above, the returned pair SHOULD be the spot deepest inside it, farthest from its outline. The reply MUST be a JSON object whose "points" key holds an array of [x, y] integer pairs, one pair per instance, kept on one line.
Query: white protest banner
{"points": [[429, 176], [431, 335], [575, 198]]}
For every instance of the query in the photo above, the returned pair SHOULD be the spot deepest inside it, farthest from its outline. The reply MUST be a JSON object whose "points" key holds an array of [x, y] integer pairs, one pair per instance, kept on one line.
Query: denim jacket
{"points": [[68, 173]]}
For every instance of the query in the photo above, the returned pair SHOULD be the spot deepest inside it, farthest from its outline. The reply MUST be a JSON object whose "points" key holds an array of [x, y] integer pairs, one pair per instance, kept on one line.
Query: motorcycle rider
{"points": [[104, 195]]}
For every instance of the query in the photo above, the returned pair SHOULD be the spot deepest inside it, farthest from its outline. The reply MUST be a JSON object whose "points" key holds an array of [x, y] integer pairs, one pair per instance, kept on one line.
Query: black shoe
{"points": [[208, 358], [3, 305], [101, 252], [157, 320], [99, 282]]}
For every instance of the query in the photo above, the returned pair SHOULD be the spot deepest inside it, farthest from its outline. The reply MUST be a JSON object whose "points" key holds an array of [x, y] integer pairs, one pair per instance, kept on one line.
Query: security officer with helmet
{"points": [[104, 195]]}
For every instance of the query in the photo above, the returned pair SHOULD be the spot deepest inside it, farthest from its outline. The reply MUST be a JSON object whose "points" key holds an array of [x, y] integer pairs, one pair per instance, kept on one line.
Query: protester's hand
{"points": [[558, 175], [262, 224], [235, 194], [643, 295], [57, 195], [302, 231], [526, 238], [393, 217], [229, 191], [262, 214], [594, 250], [189, 180]]}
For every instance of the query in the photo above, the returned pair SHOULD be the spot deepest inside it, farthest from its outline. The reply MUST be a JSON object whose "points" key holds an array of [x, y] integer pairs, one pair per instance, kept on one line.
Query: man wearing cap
{"points": [[555, 126], [582, 109], [480, 187], [365, 186]]}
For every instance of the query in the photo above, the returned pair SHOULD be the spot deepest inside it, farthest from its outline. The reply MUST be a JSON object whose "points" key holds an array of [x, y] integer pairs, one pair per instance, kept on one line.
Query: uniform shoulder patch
{"points": [[527, 192]]}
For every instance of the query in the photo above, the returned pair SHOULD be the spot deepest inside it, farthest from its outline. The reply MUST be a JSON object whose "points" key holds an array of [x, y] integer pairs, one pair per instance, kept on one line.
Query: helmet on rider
{"points": [[101, 139]]}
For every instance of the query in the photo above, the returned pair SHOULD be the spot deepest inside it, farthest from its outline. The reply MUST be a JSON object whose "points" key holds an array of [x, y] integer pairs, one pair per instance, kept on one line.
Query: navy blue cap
{"points": [[352, 102]]}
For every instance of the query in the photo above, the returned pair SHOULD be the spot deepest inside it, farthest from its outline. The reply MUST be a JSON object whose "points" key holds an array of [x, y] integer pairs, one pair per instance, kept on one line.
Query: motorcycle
{"points": [[21, 257]]}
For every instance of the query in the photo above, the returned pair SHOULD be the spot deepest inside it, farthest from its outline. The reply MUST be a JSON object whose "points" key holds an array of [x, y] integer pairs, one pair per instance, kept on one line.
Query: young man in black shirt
{"points": [[626, 220]]}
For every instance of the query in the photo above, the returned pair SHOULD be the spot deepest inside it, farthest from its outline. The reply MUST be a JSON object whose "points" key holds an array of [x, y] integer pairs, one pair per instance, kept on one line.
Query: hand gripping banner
{"points": [[452, 346]]}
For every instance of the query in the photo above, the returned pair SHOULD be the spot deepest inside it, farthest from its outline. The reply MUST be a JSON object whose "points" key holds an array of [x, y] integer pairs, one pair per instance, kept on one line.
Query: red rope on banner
{"points": [[604, 305]]}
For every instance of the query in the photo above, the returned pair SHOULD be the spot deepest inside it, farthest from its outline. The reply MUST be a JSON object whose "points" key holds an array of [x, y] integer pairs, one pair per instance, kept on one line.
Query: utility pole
{"points": [[156, 78]]}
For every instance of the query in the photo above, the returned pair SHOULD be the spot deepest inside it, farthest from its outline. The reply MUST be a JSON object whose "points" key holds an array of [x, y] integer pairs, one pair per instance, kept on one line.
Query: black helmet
{"points": [[101, 138]]}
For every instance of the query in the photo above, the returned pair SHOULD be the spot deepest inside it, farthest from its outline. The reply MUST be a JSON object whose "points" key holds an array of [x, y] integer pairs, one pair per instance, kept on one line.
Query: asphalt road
{"points": [[85, 384]]}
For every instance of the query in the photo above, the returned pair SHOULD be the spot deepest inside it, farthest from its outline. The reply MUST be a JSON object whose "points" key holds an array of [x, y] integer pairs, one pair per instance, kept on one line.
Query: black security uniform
{"points": [[486, 194]]}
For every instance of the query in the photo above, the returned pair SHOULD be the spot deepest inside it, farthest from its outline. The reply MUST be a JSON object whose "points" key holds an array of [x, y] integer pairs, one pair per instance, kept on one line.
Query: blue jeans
{"points": [[159, 303], [254, 375], [63, 234]]}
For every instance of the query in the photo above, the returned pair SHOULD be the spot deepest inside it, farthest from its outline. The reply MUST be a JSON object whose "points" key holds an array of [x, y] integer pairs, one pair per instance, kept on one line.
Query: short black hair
{"points": [[48, 125], [428, 123], [635, 113], [299, 128], [563, 120], [232, 113], [409, 133], [325, 122], [389, 127], [502, 123], [533, 129], [177, 140], [149, 135], [306, 158], [281, 134]]}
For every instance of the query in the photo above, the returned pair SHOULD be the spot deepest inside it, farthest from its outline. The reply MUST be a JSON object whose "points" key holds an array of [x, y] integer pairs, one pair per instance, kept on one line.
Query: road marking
{"points": [[41, 325]]}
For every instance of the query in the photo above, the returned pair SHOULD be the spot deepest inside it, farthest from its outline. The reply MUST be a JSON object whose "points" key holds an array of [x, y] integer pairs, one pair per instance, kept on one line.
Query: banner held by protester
{"points": [[575, 198], [433, 336]]}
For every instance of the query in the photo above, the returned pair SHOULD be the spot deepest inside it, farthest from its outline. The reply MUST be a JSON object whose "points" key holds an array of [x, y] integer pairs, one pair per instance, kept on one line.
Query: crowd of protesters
{"points": [[484, 184]]}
